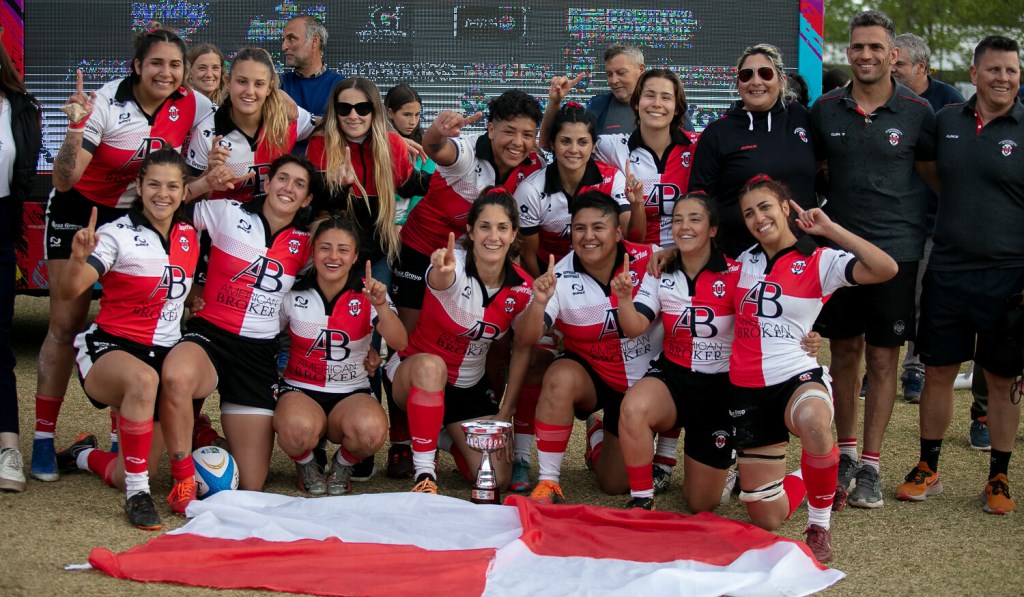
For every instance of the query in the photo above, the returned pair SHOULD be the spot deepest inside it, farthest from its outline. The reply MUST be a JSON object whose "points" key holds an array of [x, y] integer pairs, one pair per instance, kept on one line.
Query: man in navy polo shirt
{"points": [[871, 136], [976, 272], [303, 42]]}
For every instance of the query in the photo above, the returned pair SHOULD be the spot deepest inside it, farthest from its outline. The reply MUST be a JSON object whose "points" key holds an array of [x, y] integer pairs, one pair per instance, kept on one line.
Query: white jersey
{"points": [[777, 302]]}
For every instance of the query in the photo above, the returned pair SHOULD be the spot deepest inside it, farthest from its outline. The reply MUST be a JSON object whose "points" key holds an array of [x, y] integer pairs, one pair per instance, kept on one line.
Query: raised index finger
{"points": [[451, 243], [472, 118], [369, 273], [92, 220], [796, 206], [79, 86], [577, 79], [551, 263]]}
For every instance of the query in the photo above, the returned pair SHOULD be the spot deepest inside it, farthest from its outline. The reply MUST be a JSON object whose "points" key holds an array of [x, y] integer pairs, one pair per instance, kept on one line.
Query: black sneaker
{"points": [[67, 459], [363, 470], [640, 503], [320, 453], [662, 477], [141, 512]]}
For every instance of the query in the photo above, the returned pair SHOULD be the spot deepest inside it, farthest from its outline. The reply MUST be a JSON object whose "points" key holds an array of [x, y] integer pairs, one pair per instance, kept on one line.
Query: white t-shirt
{"points": [[7, 149]]}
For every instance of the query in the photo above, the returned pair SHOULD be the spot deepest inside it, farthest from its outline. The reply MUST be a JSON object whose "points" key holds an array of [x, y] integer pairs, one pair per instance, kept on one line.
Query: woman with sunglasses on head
{"points": [[778, 389], [475, 296], [765, 132], [257, 250], [97, 166], [330, 317], [231, 156]]}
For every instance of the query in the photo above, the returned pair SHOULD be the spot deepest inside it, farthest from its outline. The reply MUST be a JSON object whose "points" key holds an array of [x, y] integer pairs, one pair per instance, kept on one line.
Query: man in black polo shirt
{"points": [[976, 272], [871, 135]]}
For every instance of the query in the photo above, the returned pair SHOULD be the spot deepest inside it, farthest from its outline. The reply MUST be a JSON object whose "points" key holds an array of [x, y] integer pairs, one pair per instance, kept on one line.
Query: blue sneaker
{"points": [[979, 436], [913, 384], [44, 460], [520, 476]]}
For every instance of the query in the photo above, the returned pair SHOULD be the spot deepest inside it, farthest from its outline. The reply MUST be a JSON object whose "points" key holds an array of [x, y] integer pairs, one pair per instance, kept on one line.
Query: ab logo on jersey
{"points": [[764, 296], [355, 306], [482, 330], [894, 136], [148, 146], [611, 325], [172, 282], [663, 196], [266, 274], [698, 321], [333, 343]]}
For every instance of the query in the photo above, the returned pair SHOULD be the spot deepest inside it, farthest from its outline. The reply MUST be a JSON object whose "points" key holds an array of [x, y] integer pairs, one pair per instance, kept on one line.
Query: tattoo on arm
{"points": [[67, 157]]}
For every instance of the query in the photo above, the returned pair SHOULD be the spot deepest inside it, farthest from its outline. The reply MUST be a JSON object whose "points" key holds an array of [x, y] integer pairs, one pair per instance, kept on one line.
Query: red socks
{"points": [[820, 474], [47, 411], [526, 409], [135, 440], [641, 481], [183, 469], [426, 414]]}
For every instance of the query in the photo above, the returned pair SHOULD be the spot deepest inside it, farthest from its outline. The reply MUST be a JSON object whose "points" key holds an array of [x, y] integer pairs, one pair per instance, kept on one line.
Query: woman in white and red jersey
{"points": [[232, 150], [110, 132], [145, 260], [687, 384], [476, 294], [658, 152], [778, 389], [330, 318], [600, 361], [544, 199], [257, 250]]}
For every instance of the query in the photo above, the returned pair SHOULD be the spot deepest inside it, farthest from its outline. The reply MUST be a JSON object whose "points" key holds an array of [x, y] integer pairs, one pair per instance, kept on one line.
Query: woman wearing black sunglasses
{"points": [[765, 132]]}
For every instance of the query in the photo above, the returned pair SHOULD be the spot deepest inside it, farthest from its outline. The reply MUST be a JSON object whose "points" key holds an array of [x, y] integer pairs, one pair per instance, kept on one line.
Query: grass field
{"points": [[946, 546]]}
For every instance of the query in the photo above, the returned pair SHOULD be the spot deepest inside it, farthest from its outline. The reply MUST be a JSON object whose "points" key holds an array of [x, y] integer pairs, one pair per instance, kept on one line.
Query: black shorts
{"points": [[93, 343], [607, 398], [964, 317], [246, 368], [326, 400], [66, 214], [701, 401], [759, 414], [408, 284], [884, 313]]}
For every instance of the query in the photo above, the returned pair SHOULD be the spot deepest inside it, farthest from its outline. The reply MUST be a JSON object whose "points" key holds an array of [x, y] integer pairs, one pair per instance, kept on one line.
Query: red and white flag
{"points": [[416, 544]]}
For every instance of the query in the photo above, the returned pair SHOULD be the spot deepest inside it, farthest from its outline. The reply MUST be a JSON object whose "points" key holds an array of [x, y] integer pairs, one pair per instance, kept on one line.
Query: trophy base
{"points": [[485, 496]]}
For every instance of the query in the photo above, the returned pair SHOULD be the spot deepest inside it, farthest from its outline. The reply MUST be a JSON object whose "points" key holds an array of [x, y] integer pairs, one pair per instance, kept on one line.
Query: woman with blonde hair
{"points": [[206, 72]]}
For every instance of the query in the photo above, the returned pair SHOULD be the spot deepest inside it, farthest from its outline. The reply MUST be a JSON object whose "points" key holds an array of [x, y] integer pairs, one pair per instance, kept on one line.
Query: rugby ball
{"points": [[215, 471]]}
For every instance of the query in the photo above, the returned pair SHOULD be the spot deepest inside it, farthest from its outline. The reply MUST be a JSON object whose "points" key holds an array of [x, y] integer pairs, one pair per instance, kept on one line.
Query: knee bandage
{"points": [[811, 394], [765, 455]]}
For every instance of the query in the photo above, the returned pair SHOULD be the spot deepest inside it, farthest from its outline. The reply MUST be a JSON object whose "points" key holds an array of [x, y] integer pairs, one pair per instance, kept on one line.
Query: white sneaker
{"points": [[12, 473], [731, 478]]}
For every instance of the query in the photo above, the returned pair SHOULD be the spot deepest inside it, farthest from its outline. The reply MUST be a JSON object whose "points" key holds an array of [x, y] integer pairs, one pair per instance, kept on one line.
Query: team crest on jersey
{"points": [[301, 302], [798, 267], [173, 113], [183, 242], [805, 377], [355, 306], [721, 438], [899, 327], [686, 159], [294, 246], [510, 305], [1006, 147], [718, 288], [894, 136], [244, 225], [801, 132]]}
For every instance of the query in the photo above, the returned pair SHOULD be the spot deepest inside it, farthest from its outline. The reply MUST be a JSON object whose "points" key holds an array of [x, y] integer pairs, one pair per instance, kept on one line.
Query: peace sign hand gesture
{"points": [[79, 105], [544, 286], [84, 242], [443, 260], [561, 86], [622, 284], [374, 289]]}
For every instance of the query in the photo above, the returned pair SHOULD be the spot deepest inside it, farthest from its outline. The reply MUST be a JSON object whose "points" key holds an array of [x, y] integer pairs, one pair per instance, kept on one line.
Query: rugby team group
{"points": [[267, 236]]}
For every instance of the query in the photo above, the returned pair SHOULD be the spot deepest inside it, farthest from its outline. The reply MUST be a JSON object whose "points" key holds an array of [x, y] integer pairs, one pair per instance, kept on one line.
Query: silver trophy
{"points": [[486, 436]]}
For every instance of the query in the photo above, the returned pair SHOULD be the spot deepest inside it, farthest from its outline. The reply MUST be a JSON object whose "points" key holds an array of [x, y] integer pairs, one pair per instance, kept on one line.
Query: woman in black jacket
{"points": [[20, 139]]}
